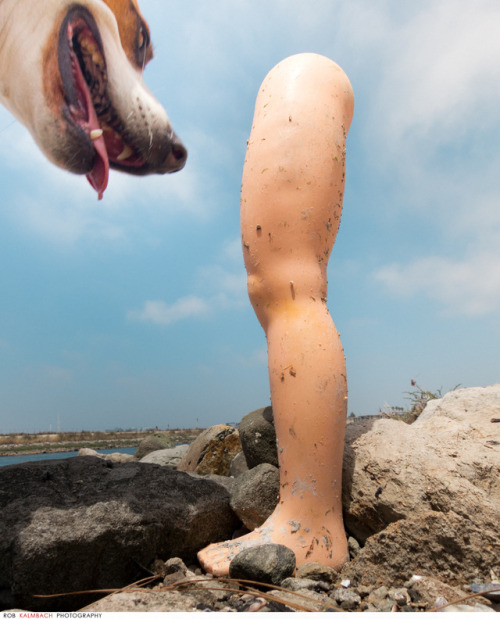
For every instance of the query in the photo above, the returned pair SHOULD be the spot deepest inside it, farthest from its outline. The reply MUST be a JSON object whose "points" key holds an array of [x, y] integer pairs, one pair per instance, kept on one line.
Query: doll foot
{"points": [[320, 545]]}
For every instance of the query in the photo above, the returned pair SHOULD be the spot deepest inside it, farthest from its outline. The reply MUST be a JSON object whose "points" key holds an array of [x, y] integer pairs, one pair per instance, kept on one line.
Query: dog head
{"points": [[71, 72]]}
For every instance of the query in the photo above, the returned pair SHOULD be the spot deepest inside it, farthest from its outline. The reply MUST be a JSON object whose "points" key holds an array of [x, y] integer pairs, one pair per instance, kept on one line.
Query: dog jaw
{"points": [[145, 142]]}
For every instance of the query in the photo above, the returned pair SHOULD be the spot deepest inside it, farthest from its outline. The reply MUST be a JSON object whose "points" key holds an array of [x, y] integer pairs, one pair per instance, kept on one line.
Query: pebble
{"points": [[464, 608], [347, 599], [490, 591]]}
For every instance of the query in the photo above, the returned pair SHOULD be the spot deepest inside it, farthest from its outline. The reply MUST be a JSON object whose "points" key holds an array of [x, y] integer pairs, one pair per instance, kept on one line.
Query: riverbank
{"points": [[17, 444]]}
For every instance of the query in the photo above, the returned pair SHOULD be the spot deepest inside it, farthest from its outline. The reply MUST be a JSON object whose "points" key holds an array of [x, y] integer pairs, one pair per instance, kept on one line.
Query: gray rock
{"points": [[316, 571], [167, 457], [212, 451], [268, 563], [258, 437], [255, 495], [84, 523], [353, 547], [464, 608], [238, 465], [114, 457], [154, 442], [150, 601], [447, 461], [305, 584], [175, 565], [347, 599]]}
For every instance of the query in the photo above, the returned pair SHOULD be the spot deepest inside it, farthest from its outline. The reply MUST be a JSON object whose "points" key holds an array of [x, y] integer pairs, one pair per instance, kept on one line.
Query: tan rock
{"points": [[212, 451], [447, 461]]}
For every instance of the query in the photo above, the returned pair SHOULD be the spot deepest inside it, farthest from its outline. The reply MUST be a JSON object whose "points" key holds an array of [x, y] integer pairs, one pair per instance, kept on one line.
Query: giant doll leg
{"points": [[291, 202]]}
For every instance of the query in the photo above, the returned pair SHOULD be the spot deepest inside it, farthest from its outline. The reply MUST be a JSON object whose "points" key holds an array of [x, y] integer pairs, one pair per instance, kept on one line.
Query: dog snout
{"points": [[177, 156]]}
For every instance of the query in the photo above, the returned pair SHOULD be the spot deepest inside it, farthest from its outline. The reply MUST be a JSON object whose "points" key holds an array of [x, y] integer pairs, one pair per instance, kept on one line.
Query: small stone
{"points": [[489, 591], [346, 583], [401, 597], [316, 571], [268, 563], [464, 608], [353, 546], [304, 584], [348, 599], [175, 565]]}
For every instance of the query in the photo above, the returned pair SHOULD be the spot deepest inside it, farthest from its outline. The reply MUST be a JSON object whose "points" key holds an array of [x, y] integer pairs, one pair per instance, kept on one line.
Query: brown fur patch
{"points": [[133, 31]]}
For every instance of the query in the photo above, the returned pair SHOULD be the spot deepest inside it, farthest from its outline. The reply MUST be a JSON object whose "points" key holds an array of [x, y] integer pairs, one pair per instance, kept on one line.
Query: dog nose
{"points": [[176, 159]]}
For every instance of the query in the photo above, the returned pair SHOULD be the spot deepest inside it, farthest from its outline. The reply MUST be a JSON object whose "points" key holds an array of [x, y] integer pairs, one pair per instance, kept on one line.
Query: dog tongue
{"points": [[98, 176]]}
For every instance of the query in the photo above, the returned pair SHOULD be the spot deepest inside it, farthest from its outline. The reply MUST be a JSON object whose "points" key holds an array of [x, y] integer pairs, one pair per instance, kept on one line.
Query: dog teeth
{"points": [[125, 154], [95, 134]]}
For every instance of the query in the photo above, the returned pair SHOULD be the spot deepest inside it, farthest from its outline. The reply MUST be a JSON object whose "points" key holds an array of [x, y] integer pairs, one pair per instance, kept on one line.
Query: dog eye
{"points": [[142, 45]]}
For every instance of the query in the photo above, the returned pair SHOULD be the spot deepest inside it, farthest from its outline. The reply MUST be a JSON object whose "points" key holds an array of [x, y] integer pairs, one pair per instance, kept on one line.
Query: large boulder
{"points": [[447, 461], [84, 523], [450, 547], [212, 451]]}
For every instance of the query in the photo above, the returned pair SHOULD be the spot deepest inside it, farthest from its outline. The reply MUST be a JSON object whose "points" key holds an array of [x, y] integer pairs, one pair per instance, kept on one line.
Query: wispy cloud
{"points": [[219, 287], [469, 286], [433, 106], [161, 313]]}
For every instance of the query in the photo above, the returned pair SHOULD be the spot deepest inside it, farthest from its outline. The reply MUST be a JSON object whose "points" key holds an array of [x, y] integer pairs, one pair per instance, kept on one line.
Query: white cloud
{"points": [[439, 68], [431, 128], [219, 287], [160, 313], [469, 286]]}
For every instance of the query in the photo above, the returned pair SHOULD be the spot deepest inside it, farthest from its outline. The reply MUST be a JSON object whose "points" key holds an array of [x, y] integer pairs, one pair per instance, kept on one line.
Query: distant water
{"points": [[60, 455]]}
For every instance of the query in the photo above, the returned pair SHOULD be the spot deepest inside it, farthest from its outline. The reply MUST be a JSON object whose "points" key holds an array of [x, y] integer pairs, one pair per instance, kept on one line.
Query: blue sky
{"points": [[132, 311]]}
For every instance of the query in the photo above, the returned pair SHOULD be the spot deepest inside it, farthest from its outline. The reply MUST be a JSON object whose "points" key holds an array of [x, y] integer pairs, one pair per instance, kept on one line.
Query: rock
{"points": [[305, 584], [153, 442], [304, 601], [464, 608], [255, 494], [166, 457], [175, 565], [238, 465], [347, 599], [353, 546], [432, 592], [84, 523], [316, 571], [268, 563], [149, 601], [489, 591], [212, 451], [448, 547], [258, 437], [447, 461], [114, 457]]}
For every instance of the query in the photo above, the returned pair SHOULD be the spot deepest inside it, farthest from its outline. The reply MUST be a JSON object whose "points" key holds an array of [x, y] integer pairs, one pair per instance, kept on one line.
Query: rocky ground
{"points": [[314, 587], [421, 509]]}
